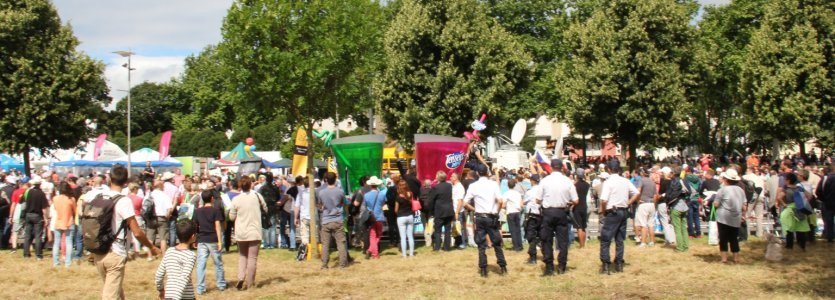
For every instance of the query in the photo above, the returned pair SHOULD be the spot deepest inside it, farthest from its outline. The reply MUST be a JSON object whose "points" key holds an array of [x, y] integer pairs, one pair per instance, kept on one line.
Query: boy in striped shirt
{"points": [[177, 264]]}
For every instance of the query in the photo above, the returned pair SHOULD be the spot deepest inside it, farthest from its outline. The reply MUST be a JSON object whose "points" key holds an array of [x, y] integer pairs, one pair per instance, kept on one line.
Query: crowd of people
{"points": [[171, 214]]}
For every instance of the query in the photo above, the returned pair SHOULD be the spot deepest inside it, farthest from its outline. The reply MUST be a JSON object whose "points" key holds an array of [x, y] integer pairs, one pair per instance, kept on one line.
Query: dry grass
{"points": [[656, 273]]}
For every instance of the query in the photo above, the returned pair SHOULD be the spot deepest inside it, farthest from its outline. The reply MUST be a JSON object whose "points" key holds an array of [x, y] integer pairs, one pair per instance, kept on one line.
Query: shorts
{"points": [[581, 219], [158, 229], [645, 216]]}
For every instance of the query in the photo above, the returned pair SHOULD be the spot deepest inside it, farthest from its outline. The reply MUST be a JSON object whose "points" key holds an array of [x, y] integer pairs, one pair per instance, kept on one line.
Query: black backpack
{"points": [[96, 223], [148, 210]]}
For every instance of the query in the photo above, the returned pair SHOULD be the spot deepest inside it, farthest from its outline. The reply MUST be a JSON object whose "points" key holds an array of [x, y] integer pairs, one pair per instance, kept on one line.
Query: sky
{"points": [[162, 33]]}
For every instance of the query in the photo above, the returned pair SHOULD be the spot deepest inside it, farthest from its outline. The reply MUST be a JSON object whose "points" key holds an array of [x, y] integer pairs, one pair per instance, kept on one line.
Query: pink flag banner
{"points": [[164, 142], [439, 153], [99, 143]]}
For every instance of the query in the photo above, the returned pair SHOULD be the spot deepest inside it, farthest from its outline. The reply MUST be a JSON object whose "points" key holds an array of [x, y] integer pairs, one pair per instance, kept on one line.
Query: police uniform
{"points": [[616, 193], [557, 193], [533, 219], [484, 195]]}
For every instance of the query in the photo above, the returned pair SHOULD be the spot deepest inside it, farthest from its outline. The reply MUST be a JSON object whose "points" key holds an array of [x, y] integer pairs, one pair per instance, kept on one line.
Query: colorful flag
{"points": [[439, 153], [164, 142], [300, 153], [99, 143], [543, 161]]}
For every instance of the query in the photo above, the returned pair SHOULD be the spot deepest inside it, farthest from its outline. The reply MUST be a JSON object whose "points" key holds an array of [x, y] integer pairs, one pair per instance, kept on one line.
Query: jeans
{"points": [[614, 227], [286, 220], [694, 226], [406, 225], [462, 218], [554, 220], [445, 224], [203, 252], [34, 230], [679, 219], [514, 223], [270, 234], [78, 250], [172, 232], [828, 220], [69, 234], [488, 226]]}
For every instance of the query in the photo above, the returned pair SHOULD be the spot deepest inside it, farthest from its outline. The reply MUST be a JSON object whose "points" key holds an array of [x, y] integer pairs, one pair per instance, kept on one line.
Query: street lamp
{"points": [[127, 54]]}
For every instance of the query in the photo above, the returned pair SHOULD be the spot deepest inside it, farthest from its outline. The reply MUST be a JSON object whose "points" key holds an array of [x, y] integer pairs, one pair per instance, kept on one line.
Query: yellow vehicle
{"points": [[390, 160]]}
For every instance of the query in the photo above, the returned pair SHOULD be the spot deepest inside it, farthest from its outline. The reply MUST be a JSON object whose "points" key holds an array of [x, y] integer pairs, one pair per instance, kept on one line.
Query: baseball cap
{"points": [[556, 163], [580, 172], [24, 180], [535, 177], [666, 170]]}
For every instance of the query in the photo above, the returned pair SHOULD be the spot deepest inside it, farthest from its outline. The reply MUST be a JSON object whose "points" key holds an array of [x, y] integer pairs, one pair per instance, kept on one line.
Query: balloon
{"points": [[247, 148], [252, 148], [250, 141]]}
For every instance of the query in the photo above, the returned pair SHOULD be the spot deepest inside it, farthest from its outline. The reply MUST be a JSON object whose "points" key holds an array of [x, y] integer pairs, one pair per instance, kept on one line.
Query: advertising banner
{"points": [[439, 153], [358, 156]]}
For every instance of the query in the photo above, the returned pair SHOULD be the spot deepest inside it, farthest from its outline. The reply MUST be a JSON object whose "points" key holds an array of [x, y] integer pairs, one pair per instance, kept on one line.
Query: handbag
{"points": [[713, 227], [416, 205]]}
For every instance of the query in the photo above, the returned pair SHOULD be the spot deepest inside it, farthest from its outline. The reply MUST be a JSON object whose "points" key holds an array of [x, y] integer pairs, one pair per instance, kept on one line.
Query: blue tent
{"points": [[8, 163], [83, 163]]}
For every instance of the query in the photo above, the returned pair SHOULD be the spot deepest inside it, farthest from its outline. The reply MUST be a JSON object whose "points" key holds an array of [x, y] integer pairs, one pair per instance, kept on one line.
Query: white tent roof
{"points": [[145, 155], [109, 151]]}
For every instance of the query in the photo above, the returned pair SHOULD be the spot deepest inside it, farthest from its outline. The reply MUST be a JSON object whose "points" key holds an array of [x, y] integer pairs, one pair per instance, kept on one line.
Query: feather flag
{"points": [[164, 143]]}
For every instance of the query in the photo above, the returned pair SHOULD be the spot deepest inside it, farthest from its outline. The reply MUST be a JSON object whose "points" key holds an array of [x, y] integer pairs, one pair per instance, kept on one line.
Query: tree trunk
{"points": [[802, 146], [632, 159], [585, 159], [313, 230], [26, 162], [775, 148]]}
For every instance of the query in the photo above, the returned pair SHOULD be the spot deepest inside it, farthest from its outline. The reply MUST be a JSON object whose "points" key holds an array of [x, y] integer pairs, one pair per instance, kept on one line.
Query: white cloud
{"points": [[152, 69]]}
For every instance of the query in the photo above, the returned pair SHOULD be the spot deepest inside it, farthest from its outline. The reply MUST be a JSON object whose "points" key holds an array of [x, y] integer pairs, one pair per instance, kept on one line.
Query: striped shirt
{"points": [[177, 265]]}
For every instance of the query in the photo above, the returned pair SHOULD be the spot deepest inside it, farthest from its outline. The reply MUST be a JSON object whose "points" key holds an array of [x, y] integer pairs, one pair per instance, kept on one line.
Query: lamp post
{"points": [[127, 54]]}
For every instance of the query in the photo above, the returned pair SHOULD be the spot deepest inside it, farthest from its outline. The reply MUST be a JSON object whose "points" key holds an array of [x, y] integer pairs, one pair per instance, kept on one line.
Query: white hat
{"points": [[718, 170], [167, 176], [604, 175], [262, 170], [374, 181], [601, 166], [36, 180], [730, 174], [666, 170]]}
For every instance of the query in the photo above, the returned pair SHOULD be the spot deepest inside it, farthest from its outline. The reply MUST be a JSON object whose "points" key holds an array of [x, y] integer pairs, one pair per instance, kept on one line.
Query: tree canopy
{"points": [[48, 90], [446, 63]]}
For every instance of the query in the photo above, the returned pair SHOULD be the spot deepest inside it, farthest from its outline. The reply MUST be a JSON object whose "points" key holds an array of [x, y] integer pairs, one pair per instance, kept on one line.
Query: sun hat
{"points": [[604, 175], [731, 174], [167, 176], [374, 181]]}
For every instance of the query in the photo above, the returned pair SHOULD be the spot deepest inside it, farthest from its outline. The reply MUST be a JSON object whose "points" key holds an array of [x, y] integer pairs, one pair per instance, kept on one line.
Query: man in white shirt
{"points": [[758, 209], [557, 194], [617, 192], [513, 207], [483, 196], [301, 208], [111, 266], [458, 193], [163, 207], [533, 217], [96, 190]]}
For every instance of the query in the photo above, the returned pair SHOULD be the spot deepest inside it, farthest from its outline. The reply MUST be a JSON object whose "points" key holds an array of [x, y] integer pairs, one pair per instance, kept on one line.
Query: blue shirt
{"points": [[374, 201]]}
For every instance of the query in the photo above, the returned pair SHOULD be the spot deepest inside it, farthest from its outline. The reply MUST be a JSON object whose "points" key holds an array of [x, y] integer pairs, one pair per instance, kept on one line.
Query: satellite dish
{"points": [[518, 132]]}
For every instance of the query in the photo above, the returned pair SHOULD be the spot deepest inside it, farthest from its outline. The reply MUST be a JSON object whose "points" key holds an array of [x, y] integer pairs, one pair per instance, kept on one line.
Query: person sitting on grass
{"points": [[177, 264]]}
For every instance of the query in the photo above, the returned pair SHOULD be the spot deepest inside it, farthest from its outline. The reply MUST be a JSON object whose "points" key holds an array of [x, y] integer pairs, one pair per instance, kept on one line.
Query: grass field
{"points": [[651, 273]]}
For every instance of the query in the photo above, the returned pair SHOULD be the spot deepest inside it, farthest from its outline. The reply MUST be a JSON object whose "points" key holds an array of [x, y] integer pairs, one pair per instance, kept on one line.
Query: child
{"points": [[177, 264], [209, 237]]}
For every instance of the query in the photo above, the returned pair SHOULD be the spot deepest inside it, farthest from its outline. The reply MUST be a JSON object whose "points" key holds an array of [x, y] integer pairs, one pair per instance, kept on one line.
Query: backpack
{"points": [[801, 203], [148, 211], [96, 222], [750, 190]]}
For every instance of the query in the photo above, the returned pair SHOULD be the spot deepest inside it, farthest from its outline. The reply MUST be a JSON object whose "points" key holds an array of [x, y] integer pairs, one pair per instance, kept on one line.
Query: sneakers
{"points": [[651, 244], [642, 245]]}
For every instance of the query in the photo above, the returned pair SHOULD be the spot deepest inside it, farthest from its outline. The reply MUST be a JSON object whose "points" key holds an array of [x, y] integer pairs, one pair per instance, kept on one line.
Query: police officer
{"points": [[533, 218], [614, 199], [557, 194], [483, 196]]}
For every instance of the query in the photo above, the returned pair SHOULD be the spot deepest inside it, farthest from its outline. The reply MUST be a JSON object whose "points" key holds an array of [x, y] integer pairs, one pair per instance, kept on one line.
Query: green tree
{"points": [[199, 142], [47, 88], [784, 75], [153, 107], [720, 48], [626, 71], [304, 59], [446, 63], [538, 25]]}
